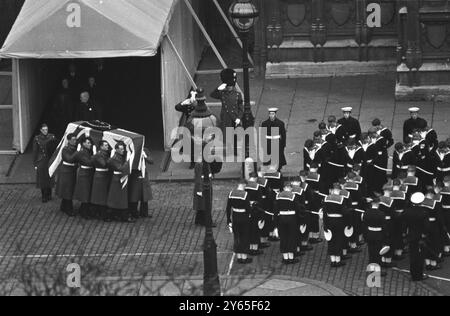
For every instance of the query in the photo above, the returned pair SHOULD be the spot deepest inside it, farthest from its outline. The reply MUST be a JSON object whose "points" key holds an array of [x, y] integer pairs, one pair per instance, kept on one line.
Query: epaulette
{"points": [[336, 199], [429, 203], [238, 195], [288, 196]]}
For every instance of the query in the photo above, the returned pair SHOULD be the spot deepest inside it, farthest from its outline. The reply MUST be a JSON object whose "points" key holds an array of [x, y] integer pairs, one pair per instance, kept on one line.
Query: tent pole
{"points": [[180, 60], [233, 31], [208, 38]]}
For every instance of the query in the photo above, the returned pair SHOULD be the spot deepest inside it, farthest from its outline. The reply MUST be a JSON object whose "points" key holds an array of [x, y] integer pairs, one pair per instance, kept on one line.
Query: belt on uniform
{"points": [[117, 173], [238, 210], [335, 215], [443, 169], [349, 165], [446, 207], [68, 164], [86, 167], [382, 169], [432, 219], [424, 171], [268, 213], [399, 211], [335, 164], [402, 167], [353, 136], [375, 229], [273, 137], [355, 203], [287, 213], [101, 170], [388, 218]]}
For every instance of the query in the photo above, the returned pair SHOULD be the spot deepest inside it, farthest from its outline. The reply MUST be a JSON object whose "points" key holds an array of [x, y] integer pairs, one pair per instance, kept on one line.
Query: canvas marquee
{"points": [[88, 28]]}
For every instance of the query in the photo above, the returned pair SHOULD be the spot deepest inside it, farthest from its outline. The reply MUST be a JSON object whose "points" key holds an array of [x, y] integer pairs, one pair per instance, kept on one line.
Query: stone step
{"points": [[328, 69], [334, 50]]}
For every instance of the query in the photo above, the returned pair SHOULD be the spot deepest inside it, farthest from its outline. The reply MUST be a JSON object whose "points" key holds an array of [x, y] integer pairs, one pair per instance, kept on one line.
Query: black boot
{"points": [[144, 210], [44, 196]]}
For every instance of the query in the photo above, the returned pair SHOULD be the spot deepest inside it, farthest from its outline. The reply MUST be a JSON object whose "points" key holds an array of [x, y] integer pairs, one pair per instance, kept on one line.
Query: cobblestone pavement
{"points": [[37, 236]]}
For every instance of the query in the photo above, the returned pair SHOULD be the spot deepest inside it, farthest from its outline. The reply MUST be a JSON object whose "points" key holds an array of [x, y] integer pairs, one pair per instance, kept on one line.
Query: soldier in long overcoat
{"points": [[140, 190], [44, 145], [85, 175], [100, 183], [67, 174]]}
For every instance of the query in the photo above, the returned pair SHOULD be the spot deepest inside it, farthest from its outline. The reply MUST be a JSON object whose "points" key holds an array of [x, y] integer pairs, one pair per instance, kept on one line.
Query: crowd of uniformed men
{"points": [[100, 180], [345, 181]]}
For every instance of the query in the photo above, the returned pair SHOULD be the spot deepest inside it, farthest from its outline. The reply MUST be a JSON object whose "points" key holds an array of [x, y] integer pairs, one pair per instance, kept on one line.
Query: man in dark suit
{"points": [[87, 110]]}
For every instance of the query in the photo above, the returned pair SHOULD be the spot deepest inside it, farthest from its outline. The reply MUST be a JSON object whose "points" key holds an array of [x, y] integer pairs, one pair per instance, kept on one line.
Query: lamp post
{"points": [[202, 119], [243, 14]]}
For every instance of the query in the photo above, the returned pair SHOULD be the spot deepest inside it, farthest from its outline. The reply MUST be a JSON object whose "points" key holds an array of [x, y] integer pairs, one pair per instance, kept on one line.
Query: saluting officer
{"points": [[412, 125], [351, 126], [238, 219], [83, 187], [100, 183], [65, 185], [286, 207], [119, 164], [272, 124], [44, 145]]}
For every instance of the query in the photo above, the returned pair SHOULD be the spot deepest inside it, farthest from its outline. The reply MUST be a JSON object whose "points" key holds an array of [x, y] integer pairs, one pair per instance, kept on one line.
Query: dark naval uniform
{"points": [[199, 201], [433, 229], [43, 148], [67, 175], [357, 204], [375, 222], [286, 207], [279, 136], [386, 204], [378, 173], [411, 125], [353, 157], [415, 218], [317, 191], [402, 161], [83, 187], [352, 128], [266, 206], [256, 214], [334, 221], [232, 106], [398, 206], [442, 163], [140, 191], [118, 192], [275, 185], [238, 213], [303, 217], [100, 184]]}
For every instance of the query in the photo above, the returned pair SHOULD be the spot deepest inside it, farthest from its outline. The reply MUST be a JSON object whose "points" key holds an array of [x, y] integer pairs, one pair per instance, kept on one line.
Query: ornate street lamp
{"points": [[202, 119], [243, 14]]}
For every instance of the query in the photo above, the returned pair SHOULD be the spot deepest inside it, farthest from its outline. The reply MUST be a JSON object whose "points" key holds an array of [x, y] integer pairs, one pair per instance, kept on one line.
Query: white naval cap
{"points": [[414, 110], [347, 109], [418, 198], [274, 110]]}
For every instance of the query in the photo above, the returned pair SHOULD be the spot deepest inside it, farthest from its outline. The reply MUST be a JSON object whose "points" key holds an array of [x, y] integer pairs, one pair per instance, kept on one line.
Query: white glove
{"points": [[238, 122], [222, 87], [186, 102], [200, 193], [230, 227], [193, 95]]}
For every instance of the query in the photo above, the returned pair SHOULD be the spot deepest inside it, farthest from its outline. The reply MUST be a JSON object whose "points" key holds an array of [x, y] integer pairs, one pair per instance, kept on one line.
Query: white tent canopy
{"points": [[88, 28]]}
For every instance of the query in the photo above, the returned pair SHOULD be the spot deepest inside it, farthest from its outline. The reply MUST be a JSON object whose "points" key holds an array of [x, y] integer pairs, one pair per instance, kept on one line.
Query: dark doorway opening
{"points": [[131, 93]]}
